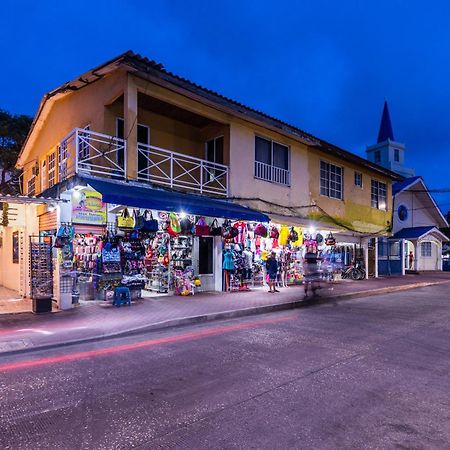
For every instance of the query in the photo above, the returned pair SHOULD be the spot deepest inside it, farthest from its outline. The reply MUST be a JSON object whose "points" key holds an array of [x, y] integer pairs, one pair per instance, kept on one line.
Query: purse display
{"points": [[174, 227], [261, 230], [201, 228], [215, 229], [150, 224], [186, 226], [125, 221], [330, 240]]}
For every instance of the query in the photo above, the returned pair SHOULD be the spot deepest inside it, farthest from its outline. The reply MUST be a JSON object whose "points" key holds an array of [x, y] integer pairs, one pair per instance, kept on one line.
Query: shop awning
{"points": [[139, 196]]}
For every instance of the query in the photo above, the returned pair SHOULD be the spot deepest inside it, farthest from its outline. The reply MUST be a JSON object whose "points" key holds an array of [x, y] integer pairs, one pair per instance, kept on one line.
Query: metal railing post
{"points": [[77, 147], [201, 177], [125, 174], [171, 170]]}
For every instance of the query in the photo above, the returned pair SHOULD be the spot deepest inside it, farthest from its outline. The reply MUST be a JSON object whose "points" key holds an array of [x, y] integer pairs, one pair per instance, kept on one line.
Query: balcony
{"points": [[87, 152], [271, 173]]}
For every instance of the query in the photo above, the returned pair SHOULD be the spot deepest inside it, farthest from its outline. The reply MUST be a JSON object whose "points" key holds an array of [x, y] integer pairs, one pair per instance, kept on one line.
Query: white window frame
{"points": [[51, 178], [329, 181], [44, 177], [378, 201], [360, 175], [85, 150], [426, 250], [270, 176], [215, 147]]}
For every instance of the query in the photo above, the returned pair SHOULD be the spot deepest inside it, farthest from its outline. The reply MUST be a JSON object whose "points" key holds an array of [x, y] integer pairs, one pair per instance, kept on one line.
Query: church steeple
{"points": [[387, 152], [385, 132]]}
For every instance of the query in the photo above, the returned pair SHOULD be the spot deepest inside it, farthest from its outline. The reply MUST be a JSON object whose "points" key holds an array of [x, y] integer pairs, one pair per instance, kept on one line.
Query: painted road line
{"points": [[193, 335]]}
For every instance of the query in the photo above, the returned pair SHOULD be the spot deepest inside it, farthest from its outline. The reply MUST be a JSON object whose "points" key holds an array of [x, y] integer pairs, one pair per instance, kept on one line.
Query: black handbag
{"points": [[150, 224], [293, 235], [138, 220], [186, 226], [215, 229]]}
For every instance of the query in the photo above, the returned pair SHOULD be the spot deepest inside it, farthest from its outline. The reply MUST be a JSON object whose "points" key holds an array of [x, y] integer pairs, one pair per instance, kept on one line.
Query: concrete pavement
{"points": [[28, 332], [368, 373]]}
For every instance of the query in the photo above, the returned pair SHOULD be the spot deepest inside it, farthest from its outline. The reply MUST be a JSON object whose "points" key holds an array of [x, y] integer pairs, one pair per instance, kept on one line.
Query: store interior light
{"points": [[182, 215], [311, 230]]}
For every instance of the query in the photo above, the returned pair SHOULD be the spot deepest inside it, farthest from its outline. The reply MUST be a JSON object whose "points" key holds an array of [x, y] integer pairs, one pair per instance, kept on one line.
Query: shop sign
{"points": [[88, 207]]}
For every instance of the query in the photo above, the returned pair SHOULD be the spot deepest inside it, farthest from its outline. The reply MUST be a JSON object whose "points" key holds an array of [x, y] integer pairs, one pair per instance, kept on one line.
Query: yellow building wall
{"points": [[82, 107], [355, 210]]}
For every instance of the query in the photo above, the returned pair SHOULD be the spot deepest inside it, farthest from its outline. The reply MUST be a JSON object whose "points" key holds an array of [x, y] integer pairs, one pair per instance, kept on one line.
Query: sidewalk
{"points": [[25, 332]]}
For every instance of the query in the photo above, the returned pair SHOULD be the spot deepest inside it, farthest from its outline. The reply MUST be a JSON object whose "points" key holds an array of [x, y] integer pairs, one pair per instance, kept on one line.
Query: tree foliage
{"points": [[13, 132]]}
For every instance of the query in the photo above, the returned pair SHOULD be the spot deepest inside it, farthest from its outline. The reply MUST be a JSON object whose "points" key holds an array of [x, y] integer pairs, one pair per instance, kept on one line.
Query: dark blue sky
{"points": [[325, 66]]}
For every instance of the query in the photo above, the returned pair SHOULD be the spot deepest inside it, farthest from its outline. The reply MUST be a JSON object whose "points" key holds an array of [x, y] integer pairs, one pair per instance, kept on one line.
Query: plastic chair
{"points": [[122, 296]]}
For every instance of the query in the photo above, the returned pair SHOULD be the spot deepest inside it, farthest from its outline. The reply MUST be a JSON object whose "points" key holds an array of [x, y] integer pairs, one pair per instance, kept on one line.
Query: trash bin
{"points": [[42, 305]]}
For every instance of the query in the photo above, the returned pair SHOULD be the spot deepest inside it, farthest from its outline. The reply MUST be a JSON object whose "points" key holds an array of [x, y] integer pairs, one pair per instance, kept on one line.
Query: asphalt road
{"points": [[365, 373]]}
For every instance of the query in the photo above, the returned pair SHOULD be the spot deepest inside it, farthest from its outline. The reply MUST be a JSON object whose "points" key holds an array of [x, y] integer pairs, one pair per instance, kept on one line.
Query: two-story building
{"points": [[130, 134]]}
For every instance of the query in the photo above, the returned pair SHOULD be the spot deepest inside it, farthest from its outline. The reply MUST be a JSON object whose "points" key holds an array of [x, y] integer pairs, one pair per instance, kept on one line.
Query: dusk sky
{"points": [[324, 66]]}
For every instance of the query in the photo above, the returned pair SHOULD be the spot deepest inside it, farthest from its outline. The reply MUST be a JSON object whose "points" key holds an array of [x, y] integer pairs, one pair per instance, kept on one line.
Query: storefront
{"points": [[153, 242]]}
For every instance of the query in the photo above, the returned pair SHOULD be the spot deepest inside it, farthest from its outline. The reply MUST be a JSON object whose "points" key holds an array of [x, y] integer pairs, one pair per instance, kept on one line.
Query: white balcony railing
{"points": [[161, 166], [274, 174], [88, 152]]}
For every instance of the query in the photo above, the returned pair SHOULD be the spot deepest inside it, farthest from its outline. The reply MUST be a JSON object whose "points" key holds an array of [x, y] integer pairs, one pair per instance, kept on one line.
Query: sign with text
{"points": [[88, 207]]}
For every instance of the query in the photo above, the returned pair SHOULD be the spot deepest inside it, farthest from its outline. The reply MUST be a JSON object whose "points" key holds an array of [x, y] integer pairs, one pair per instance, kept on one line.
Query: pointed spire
{"points": [[385, 131]]}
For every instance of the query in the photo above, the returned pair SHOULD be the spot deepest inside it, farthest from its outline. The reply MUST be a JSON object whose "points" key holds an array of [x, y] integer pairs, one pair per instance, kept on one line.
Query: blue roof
{"points": [[385, 131], [397, 187], [152, 198], [412, 233]]}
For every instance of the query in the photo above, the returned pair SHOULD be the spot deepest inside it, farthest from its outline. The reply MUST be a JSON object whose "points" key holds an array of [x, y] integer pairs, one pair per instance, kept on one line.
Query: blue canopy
{"points": [[127, 194]]}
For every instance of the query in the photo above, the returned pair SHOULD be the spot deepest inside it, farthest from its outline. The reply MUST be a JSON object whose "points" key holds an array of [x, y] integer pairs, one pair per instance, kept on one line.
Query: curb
{"points": [[224, 315]]}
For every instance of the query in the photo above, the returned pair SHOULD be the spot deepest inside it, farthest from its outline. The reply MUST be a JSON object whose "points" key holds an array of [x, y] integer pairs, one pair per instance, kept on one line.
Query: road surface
{"points": [[365, 373]]}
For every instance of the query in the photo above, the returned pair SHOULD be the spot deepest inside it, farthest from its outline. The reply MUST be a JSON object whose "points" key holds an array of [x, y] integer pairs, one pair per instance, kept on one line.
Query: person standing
{"points": [[272, 270], [411, 260], [310, 270]]}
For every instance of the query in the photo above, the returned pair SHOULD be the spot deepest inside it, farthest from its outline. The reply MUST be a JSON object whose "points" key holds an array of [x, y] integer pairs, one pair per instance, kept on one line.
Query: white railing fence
{"points": [[161, 166], [274, 174], [89, 152]]}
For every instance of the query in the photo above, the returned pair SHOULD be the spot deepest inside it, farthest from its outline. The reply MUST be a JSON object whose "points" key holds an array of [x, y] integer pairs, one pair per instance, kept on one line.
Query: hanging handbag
{"points": [[319, 238], [125, 221], [274, 233], [215, 229], [330, 240], [293, 235], [261, 230], [174, 227], [186, 226], [201, 228], [150, 224], [138, 220]]}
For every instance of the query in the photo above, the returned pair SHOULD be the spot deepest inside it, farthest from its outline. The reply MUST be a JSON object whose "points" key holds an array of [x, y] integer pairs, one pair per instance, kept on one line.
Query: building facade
{"points": [[144, 138]]}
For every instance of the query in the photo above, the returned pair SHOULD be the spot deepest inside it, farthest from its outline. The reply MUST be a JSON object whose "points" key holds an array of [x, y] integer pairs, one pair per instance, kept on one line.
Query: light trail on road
{"points": [[213, 331]]}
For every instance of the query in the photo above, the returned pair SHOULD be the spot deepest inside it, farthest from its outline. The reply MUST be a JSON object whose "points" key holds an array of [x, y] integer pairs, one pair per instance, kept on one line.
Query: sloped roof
{"points": [[146, 67], [385, 132], [418, 232], [404, 184]]}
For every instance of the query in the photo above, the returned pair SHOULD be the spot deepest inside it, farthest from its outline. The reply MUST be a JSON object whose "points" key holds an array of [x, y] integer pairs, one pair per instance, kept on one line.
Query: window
{"points": [[358, 179], [330, 180], [378, 195], [425, 249], [214, 150], [402, 212], [143, 137], [396, 155], [31, 186], [205, 255], [271, 161], [84, 148], [43, 176], [377, 156], [51, 169]]}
